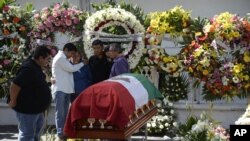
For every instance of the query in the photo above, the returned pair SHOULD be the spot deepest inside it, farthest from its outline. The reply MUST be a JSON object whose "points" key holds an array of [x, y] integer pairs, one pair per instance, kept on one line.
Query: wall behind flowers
{"points": [[203, 8]]}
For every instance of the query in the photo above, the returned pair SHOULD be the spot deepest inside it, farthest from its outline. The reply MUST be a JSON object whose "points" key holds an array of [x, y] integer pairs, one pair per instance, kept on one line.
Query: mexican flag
{"points": [[113, 100]]}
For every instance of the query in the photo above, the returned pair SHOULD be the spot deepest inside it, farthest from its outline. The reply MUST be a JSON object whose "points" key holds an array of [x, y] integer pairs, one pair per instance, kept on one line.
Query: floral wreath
{"points": [[57, 18], [115, 16]]}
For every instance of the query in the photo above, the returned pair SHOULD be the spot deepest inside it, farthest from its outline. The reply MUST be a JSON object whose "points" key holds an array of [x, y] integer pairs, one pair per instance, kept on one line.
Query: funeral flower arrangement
{"points": [[203, 129], [225, 46], [57, 18], [164, 122], [14, 26], [172, 21], [102, 19]]}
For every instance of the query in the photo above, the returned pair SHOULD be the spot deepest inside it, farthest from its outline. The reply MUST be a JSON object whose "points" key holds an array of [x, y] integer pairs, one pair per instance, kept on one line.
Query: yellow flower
{"points": [[198, 34], [205, 62], [154, 23], [166, 59], [2, 80], [190, 69], [198, 52], [236, 34], [238, 68], [205, 72], [246, 77], [199, 67], [246, 56], [247, 86]]}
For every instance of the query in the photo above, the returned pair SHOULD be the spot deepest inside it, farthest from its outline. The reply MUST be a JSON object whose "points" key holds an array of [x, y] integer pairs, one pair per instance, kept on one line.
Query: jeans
{"points": [[30, 126], [62, 101], [73, 97]]}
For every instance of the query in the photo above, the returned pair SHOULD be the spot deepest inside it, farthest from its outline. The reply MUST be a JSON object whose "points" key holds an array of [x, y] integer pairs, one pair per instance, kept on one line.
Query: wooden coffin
{"points": [[94, 129]]}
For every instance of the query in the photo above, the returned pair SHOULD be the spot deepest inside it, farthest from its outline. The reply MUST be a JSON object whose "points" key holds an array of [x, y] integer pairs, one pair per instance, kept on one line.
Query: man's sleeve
{"points": [[24, 77], [120, 68], [67, 66]]}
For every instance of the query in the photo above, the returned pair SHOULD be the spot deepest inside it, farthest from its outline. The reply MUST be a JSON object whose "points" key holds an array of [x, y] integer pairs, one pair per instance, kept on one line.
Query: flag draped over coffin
{"points": [[113, 100]]}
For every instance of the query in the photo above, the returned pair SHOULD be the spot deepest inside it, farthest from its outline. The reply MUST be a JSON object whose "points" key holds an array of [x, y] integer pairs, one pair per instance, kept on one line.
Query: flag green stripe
{"points": [[153, 92]]}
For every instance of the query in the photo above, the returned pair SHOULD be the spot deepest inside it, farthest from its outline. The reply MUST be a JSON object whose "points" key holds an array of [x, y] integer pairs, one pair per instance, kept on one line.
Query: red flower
{"points": [[6, 8]]}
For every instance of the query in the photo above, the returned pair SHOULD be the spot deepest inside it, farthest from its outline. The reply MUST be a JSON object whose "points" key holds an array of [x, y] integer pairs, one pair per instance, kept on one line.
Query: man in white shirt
{"points": [[62, 73]]}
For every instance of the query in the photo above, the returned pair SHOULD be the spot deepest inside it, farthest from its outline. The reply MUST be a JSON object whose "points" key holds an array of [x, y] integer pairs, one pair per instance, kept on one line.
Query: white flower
{"points": [[161, 126], [166, 124], [153, 124], [172, 111], [170, 104], [236, 79], [166, 117], [148, 125], [224, 80], [175, 124]]}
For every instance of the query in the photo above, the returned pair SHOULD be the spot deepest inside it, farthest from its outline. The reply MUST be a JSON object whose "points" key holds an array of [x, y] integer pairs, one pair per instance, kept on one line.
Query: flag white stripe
{"points": [[135, 88]]}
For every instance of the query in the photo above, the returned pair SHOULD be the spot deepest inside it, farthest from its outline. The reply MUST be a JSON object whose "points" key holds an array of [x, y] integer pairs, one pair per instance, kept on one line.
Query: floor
{"points": [[10, 133]]}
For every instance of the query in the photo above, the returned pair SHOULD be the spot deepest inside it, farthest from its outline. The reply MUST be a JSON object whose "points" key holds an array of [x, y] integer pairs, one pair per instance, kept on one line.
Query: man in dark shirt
{"points": [[99, 64], [30, 95]]}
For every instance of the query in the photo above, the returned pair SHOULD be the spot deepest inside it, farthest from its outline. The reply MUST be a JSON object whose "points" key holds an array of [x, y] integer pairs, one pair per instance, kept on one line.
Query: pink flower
{"points": [[68, 22], [48, 24], [57, 23], [57, 6], [6, 62], [41, 27], [6, 8], [55, 14], [37, 35], [36, 16], [45, 9], [51, 19], [76, 21], [65, 13]]}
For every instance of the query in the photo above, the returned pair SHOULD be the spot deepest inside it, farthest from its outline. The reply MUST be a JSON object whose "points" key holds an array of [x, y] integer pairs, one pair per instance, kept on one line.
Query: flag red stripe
{"points": [[106, 100]]}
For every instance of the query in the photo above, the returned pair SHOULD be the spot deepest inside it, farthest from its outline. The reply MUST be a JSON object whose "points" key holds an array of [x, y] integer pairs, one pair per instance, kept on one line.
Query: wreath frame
{"points": [[115, 16]]}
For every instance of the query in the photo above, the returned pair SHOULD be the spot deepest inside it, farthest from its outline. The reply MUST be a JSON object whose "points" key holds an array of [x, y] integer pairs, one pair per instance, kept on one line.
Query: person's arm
{"points": [[67, 66], [14, 91]]}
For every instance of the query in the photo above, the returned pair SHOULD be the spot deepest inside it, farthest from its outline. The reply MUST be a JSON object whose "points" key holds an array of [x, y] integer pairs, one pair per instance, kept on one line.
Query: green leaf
{"points": [[2, 4], [28, 7]]}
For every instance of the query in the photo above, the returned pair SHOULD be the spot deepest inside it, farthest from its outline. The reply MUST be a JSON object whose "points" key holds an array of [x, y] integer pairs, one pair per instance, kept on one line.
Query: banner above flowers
{"points": [[110, 17]]}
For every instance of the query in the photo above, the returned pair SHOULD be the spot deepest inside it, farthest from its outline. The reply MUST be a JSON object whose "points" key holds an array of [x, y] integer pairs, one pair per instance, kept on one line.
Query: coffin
{"points": [[112, 109]]}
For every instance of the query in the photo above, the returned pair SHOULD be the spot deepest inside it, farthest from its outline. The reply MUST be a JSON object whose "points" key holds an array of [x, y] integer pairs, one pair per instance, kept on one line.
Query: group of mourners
{"points": [[72, 72]]}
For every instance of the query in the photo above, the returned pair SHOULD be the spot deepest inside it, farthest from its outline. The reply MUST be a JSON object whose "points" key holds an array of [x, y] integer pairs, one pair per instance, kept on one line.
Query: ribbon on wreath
{"points": [[107, 37], [13, 35]]}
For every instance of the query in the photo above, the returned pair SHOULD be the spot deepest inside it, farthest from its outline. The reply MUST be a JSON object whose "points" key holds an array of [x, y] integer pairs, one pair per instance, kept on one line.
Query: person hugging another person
{"points": [[120, 63], [99, 64], [82, 77], [62, 73]]}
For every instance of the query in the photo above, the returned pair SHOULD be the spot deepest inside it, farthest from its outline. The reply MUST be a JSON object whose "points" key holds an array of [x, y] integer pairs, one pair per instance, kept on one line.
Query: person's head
{"points": [[106, 51], [97, 46], [76, 58], [69, 50], [41, 55], [115, 50]]}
